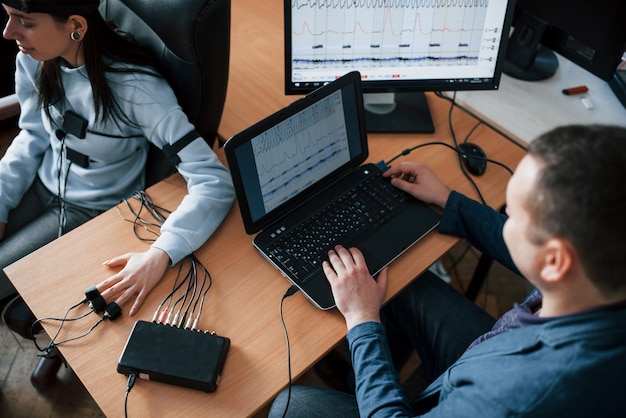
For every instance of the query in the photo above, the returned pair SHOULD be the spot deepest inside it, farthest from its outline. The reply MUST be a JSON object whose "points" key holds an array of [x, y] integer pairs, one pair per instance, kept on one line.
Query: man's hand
{"points": [[420, 182], [357, 295], [140, 273]]}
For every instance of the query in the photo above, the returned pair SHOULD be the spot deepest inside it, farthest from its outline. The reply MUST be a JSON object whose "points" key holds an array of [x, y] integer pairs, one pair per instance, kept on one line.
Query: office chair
{"points": [[191, 41], [9, 105]]}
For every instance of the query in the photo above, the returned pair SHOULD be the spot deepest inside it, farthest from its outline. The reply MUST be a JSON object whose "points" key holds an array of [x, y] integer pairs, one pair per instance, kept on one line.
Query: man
{"points": [[560, 353]]}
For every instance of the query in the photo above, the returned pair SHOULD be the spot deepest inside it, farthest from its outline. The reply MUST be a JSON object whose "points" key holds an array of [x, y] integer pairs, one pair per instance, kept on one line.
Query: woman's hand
{"points": [[140, 273], [357, 295], [419, 181]]}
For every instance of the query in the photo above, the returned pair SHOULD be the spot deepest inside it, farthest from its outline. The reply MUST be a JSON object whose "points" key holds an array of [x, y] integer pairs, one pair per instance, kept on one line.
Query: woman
{"points": [[75, 77]]}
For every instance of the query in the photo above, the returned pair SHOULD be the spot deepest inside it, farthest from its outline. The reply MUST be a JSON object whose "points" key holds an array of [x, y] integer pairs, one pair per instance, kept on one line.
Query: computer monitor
{"points": [[592, 34], [402, 48]]}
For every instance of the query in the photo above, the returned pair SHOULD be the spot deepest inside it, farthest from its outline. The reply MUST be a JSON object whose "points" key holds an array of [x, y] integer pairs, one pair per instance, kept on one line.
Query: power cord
{"points": [[293, 289], [131, 382]]}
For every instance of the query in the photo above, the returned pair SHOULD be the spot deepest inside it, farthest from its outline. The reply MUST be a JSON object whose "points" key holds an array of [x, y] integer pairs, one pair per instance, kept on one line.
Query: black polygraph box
{"points": [[177, 356]]}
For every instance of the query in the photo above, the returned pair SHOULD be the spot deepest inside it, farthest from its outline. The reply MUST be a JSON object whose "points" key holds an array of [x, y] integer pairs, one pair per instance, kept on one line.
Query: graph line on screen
{"points": [[301, 150], [380, 33]]}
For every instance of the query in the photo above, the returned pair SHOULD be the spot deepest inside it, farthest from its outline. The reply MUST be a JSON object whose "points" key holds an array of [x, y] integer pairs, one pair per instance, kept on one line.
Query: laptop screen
{"points": [[284, 159]]}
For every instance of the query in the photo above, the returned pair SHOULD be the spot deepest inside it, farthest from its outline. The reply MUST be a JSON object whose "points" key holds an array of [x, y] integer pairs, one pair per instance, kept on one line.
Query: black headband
{"points": [[60, 7]]}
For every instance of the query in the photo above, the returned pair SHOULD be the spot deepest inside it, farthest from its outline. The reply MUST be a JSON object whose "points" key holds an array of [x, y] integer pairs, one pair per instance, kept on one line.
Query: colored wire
{"points": [[168, 298], [187, 304]]}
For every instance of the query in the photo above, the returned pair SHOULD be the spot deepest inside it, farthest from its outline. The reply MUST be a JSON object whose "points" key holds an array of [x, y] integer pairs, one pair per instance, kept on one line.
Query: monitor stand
{"points": [[526, 58], [544, 66], [397, 113]]}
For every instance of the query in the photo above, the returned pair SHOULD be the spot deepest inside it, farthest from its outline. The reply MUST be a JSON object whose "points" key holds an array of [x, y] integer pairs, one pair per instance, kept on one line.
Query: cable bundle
{"points": [[186, 299]]}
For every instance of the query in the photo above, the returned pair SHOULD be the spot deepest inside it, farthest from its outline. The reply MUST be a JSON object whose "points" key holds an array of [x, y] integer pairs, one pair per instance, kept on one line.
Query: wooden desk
{"points": [[243, 303]]}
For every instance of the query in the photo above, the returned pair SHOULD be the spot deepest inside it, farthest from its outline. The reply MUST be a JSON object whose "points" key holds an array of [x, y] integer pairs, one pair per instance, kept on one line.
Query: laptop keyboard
{"points": [[368, 205]]}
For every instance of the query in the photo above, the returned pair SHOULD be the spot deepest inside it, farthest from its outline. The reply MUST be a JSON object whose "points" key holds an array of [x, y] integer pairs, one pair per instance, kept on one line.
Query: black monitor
{"points": [[402, 48], [590, 33]]}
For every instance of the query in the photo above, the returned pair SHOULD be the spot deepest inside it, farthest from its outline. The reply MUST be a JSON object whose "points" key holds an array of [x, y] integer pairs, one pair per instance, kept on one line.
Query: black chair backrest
{"points": [[191, 41]]}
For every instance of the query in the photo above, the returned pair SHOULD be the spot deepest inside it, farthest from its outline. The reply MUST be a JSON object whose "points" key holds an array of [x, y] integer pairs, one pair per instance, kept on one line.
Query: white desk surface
{"points": [[524, 109]]}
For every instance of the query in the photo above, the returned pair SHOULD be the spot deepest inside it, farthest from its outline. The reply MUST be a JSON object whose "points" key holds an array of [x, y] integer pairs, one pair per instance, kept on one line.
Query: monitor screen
{"points": [[592, 34], [396, 45]]}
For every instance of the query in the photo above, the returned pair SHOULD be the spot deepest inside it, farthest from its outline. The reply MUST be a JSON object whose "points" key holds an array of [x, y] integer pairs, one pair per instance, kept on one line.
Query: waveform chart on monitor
{"points": [[301, 150], [395, 39]]}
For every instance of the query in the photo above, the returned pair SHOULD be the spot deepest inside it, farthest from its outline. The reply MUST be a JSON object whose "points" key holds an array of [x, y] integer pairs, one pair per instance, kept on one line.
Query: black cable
{"points": [[168, 298], [190, 283], [153, 209], [62, 179], [472, 131], [202, 297], [483, 121], [409, 150], [62, 320], [131, 382], [293, 289], [79, 336], [158, 213], [458, 152]]}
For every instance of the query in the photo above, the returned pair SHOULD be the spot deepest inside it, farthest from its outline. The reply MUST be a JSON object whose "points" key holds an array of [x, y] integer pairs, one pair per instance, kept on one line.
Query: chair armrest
{"points": [[9, 106]]}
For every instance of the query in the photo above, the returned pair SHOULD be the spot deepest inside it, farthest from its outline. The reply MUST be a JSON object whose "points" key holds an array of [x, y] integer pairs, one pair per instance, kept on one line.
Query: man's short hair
{"points": [[580, 195]]}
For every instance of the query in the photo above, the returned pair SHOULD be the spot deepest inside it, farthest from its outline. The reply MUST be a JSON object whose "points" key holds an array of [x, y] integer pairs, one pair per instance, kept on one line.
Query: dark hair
{"points": [[579, 195], [102, 47]]}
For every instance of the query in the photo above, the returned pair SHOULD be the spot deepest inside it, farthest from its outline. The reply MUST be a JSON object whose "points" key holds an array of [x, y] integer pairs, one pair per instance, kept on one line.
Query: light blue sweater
{"points": [[117, 158]]}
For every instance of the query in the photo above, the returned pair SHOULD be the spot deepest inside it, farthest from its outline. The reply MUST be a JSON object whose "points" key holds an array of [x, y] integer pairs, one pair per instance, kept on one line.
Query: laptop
{"points": [[292, 167]]}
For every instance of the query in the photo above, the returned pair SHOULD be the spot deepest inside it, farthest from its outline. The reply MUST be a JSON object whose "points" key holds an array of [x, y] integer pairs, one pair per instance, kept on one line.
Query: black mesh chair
{"points": [[191, 42]]}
